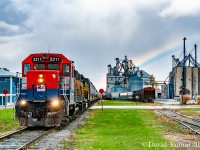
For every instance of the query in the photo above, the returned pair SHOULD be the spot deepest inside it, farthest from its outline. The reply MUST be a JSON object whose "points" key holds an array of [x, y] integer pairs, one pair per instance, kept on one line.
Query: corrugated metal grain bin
{"points": [[118, 88], [178, 83], [135, 83], [195, 82], [189, 81]]}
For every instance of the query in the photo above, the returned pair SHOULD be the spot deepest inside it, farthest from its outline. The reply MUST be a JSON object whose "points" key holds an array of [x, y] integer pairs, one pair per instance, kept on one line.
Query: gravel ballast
{"points": [[55, 139]]}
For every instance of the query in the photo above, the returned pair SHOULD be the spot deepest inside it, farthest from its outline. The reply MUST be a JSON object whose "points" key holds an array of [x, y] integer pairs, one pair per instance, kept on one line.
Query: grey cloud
{"points": [[10, 14], [12, 20], [92, 40]]}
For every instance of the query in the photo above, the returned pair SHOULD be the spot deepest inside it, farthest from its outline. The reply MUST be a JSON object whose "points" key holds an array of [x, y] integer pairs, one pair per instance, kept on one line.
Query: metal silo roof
{"points": [[4, 73]]}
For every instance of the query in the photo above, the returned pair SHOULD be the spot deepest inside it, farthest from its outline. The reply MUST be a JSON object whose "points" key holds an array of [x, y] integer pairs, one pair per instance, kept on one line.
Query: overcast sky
{"points": [[93, 33]]}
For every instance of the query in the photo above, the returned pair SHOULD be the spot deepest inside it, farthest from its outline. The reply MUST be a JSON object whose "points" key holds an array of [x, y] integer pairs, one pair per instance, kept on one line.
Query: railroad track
{"points": [[190, 123], [23, 138]]}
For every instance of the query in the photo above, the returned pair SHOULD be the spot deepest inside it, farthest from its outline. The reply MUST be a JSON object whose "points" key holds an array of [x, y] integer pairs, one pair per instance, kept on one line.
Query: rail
{"points": [[29, 136], [186, 121]]}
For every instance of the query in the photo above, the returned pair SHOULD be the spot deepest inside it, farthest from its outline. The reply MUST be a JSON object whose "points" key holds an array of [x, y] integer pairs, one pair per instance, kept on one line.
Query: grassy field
{"points": [[120, 103], [6, 120], [121, 129], [190, 111], [124, 103]]}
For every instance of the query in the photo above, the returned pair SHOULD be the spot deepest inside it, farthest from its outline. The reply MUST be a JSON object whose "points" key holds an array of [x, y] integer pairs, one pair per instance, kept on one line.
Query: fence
{"points": [[9, 97]]}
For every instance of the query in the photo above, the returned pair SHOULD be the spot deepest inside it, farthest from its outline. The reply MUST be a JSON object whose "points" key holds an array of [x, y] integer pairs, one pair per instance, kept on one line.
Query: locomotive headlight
{"points": [[23, 103], [41, 79], [55, 103], [40, 75]]}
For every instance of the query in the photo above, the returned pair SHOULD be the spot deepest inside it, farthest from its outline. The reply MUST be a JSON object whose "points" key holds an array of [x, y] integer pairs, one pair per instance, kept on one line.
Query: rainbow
{"points": [[167, 49]]}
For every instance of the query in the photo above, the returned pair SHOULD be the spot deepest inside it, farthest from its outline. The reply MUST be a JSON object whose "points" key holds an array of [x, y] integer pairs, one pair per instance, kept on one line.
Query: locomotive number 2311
{"points": [[36, 59]]}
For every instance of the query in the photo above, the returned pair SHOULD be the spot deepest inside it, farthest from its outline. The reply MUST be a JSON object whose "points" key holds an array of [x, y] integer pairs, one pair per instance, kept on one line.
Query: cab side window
{"points": [[26, 68], [66, 70]]}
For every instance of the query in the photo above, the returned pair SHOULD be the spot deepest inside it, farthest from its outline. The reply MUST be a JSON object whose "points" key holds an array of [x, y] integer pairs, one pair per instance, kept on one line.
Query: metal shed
{"points": [[8, 81]]}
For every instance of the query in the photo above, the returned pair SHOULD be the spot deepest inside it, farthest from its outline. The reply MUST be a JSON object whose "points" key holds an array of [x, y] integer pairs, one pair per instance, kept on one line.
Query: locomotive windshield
{"points": [[39, 66], [53, 67], [48, 67]]}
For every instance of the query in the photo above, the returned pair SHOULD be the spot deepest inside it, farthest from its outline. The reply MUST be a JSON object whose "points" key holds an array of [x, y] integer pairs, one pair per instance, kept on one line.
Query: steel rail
{"points": [[12, 133], [194, 119], [26, 145], [182, 123]]}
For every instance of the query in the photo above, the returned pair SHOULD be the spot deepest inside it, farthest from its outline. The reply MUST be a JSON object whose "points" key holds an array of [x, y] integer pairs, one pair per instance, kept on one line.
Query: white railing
{"points": [[9, 102]]}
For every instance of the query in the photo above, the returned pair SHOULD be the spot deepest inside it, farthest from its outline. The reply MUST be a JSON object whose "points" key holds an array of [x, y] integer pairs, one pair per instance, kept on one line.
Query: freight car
{"points": [[144, 95], [51, 91]]}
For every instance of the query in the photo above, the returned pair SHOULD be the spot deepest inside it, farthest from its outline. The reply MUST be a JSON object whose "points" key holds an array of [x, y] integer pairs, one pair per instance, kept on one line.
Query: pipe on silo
{"points": [[184, 63], [195, 47], [109, 68], [173, 63], [125, 57]]}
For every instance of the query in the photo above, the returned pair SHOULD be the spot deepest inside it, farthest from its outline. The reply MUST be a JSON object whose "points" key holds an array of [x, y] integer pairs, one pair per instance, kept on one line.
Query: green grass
{"points": [[121, 129], [120, 103], [190, 111], [124, 103], [6, 120]]}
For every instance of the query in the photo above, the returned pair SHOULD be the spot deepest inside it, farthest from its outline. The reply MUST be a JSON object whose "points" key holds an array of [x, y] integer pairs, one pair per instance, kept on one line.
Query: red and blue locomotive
{"points": [[48, 92]]}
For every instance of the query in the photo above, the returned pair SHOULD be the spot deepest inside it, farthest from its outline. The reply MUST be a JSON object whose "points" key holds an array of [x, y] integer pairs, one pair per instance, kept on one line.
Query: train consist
{"points": [[51, 91], [144, 95]]}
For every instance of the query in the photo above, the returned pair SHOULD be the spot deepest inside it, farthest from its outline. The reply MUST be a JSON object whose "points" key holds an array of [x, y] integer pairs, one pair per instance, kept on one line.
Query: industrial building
{"points": [[125, 77], [185, 76], [8, 81]]}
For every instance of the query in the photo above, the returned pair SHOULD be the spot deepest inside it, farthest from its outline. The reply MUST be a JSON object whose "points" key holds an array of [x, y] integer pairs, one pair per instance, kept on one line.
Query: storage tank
{"points": [[126, 95], [178, 83], [135, 83], [196, 82], [118, 88], [189, 81]]}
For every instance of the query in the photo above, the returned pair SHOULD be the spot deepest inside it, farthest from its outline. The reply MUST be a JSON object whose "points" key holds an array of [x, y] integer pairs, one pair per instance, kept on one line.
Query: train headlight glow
{"points": [[40, 75], [23, 103], [55, 103], [40, 80]]}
